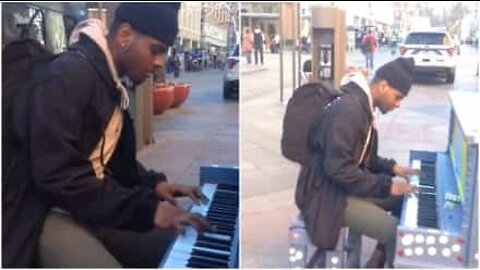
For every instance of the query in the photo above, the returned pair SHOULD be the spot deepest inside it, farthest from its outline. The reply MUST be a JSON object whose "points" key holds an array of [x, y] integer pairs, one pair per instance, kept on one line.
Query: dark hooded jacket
{"points": [[68, 108], [335, 141]]}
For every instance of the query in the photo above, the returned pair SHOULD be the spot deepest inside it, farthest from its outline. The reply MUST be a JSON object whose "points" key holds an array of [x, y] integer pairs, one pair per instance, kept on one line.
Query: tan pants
{"points": [[369, 216], [65, 243]]}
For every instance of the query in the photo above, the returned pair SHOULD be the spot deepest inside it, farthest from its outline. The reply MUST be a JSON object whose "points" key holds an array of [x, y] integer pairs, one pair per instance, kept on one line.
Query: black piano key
{"points": [[226, 195], [224, 207], [227, 187], [427, 199], [205, 264], [204, 253], [226, 211], [199, 265], [224, 192], [225, 232], [214, 240], [223, 224], [209, 260], [220, 218], [226, 203], [226, 198], [224, 227], [212, 245], [222, 214], [196, 262], [210, 251]]}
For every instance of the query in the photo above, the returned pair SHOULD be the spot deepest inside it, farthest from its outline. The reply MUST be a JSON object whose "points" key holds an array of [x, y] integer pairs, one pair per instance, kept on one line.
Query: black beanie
{"points": [[398, 73], [157, 20]]}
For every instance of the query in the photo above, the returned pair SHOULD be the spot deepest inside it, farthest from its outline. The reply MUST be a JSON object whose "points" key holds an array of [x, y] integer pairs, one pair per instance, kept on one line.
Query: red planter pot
{"points": [[163, 97], [182, 90]]}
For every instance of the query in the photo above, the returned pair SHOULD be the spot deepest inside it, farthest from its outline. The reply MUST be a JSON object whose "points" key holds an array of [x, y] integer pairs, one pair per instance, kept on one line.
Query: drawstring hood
{"points": [[101, 154], [359, 79], [95, 29]]}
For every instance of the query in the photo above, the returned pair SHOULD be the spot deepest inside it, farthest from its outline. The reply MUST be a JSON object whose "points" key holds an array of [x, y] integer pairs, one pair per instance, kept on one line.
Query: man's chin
{"points": [[137, 82], [382, 110]]}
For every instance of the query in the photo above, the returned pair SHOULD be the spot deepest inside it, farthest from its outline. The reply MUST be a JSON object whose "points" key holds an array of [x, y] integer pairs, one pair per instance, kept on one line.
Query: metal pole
{"points": [[294, 49], [282, 44], [299, 47], [202, 32], [294, 65]]}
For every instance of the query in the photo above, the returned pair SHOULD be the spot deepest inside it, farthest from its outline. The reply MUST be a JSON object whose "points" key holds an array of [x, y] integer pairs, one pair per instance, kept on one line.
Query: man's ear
{"points": [[383, 86], [124, 35]]}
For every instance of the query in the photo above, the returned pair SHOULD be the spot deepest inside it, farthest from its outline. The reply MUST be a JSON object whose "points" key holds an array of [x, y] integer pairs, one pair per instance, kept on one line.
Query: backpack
{"points": [[305, 105], [21, 58]]}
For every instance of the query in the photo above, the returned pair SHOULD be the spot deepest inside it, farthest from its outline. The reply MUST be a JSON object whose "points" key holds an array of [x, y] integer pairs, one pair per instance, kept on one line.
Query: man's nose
{"points": [[159, 61]]}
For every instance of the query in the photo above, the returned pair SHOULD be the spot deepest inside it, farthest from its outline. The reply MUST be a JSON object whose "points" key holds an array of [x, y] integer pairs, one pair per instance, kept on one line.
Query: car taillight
{"points": [[450, 51], [402, 50], [231, 63]]}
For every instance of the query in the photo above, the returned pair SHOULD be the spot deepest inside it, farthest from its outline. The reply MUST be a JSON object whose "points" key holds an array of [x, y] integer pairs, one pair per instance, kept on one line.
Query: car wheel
{"points": [[451, 76], [227, 94]]}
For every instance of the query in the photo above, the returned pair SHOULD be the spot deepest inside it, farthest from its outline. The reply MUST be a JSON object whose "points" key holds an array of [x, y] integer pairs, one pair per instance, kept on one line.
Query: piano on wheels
{"points": [[217, 249], [439, 227]]}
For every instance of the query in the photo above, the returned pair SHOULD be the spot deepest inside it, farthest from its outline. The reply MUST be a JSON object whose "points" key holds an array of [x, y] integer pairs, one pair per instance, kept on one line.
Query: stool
{"points": [[303, 254]]}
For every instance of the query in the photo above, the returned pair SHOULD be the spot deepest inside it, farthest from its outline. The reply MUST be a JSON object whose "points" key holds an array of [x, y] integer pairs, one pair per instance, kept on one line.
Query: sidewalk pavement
{"points": [[202, 131], [250, 68]]}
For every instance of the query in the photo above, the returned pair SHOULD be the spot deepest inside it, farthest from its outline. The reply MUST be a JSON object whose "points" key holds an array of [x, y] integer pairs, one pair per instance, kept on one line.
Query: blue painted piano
{"points": [[439, 228], [217, 249]]}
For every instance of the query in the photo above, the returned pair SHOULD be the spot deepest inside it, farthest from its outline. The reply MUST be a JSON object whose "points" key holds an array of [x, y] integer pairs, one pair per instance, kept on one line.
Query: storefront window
{"points": [[21, 21], [55, 32]]}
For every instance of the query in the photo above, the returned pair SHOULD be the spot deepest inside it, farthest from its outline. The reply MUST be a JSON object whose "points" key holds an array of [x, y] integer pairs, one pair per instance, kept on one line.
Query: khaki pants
{"points": [[369, 216], [65, 243]]}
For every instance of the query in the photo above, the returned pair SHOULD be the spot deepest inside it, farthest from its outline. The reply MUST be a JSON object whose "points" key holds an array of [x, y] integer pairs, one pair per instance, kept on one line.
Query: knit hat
{"points": [[398, 73], [157, 20]]}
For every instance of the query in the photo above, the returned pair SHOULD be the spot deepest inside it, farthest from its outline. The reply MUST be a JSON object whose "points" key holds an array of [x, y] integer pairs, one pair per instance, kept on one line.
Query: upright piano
{"points": [[218, 249], [439, 227]]}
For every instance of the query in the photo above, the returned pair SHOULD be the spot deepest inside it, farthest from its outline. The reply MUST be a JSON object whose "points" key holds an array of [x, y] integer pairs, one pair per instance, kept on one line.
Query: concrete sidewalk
{"points": [[202, 131], [250, 68]]}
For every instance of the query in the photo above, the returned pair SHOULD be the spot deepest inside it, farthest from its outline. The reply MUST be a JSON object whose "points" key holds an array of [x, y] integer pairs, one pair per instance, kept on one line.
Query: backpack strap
{"points": [[367, 142]]}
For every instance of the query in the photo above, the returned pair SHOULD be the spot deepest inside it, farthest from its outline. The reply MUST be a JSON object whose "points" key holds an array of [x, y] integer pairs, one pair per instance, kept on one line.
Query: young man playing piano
{"points": [[78, 197], [345, 182]]}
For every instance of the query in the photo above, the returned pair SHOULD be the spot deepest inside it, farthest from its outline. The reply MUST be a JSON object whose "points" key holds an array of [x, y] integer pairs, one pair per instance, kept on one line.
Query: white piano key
{"points": [[208, 190], [182, 249], [411, 208], [173, 262], [218, 236]]}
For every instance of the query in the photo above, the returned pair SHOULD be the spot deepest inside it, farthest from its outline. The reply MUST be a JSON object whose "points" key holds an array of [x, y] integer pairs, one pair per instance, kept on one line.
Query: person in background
{"points": [[247, 43], [258, 42], [369, 43]]}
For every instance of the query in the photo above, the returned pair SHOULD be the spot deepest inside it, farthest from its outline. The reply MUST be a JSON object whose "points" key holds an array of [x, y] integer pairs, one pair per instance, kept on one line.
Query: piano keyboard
{"points": [[215, 249], [427, 198], [422, 210]]}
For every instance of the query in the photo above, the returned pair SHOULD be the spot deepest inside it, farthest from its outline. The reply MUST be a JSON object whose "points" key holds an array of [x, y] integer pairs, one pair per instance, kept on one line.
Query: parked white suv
{"points": [[433, 51]]}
